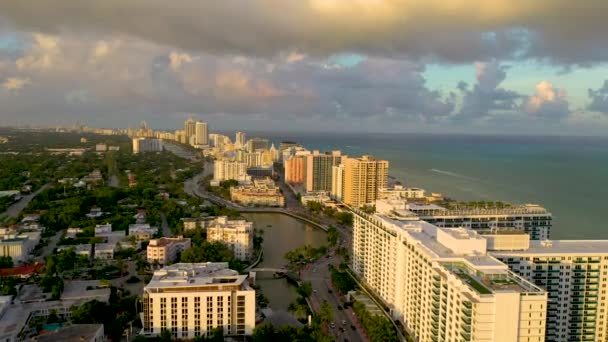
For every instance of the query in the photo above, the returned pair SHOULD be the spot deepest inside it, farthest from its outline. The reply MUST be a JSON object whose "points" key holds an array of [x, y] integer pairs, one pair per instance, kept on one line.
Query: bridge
{"points": [[269, 269]]}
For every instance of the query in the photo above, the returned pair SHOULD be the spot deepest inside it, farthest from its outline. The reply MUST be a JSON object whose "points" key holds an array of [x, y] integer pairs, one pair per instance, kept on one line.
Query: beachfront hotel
{"points": [[574, 274], [529, 218], [362, 178], [441, 283], [191, 300], [317, 173]]}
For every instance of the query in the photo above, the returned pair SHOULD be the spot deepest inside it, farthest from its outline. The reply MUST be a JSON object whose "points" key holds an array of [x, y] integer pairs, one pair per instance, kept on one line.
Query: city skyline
{"points": [[380, 66]]}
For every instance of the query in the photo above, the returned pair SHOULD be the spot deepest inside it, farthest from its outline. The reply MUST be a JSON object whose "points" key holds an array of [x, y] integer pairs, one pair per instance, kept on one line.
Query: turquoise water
{"points": [[567, 175]]}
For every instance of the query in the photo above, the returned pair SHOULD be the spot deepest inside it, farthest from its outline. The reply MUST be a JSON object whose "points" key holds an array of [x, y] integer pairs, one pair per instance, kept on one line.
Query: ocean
{"points": [[566, 175]]}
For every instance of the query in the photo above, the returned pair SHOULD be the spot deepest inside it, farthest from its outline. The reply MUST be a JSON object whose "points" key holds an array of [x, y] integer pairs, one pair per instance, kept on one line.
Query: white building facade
{"points": [[574, 273], [237, 234], [166, 250], [190, 300], [441, 283], [227, 169]]}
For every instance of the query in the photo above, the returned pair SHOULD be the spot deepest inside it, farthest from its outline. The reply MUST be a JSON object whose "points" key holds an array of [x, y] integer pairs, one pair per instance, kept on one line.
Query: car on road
{"points": [[314, 291], [343, 322]]}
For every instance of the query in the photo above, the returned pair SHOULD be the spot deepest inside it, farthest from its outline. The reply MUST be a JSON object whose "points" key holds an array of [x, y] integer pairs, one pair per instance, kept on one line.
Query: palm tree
{"points": [[326, 313]]}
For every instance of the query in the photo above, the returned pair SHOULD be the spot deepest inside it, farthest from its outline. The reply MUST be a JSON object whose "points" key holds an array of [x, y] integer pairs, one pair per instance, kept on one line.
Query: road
{"points": [[48, 249], [114, 182], [165, 226], [15, 209], [318, 275]]}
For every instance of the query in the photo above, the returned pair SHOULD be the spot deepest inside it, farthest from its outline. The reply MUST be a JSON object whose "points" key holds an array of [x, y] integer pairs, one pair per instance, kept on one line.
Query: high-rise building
{"points": [[190, 300], [441, 283], [228, 169], [574, 274], [237, 234], [529, 218], [147, 145], [240, 139], [362, 179], [295, 169], [337, 182], [287, 144], [189, 128], [318, 165], [202, 134], [255, 144]]}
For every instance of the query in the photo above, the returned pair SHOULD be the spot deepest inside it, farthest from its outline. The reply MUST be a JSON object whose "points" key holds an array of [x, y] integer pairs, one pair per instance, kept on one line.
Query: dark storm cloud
{"points": [[486, 96], [599, 99], [561, 31]]}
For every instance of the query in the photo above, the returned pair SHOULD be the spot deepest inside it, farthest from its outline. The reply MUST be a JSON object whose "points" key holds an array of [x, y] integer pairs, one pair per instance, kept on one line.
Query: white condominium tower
{"points": [[574, 272], [240, 139], [201, 133], [189, 128], [229, 169], [441, 283], [191, 300], [362, 179]]}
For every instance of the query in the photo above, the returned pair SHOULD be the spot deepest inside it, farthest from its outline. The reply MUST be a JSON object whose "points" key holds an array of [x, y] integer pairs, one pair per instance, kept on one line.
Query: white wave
{"points": [[451, 174]]}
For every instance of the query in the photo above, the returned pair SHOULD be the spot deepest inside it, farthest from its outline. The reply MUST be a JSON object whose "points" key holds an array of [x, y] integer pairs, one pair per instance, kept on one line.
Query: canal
{"points": [[282, 233]]}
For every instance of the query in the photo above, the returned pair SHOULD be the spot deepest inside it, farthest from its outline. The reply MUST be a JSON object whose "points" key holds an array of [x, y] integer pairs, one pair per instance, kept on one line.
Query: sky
{"points": [[439, 66]]}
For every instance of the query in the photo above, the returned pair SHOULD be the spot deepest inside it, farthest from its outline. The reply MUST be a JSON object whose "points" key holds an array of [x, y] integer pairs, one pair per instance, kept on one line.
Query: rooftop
{"points": [[435, 210], [563, 247], [487, 283], [75, 332], [185, 275], [164, 241]]}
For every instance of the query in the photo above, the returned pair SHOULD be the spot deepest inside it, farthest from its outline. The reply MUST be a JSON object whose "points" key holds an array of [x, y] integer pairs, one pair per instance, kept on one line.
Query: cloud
{"points": [[599, 99], [486, 98], [14, 84], [43, 54], [177, 59], [548, 102], [460, 31]]}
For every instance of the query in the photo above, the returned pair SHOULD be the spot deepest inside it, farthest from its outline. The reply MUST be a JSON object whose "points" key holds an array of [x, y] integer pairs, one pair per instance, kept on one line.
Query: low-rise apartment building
{"points": [[400, 191], [237, 234], [166, 250], [262, 192], [190, 300]]}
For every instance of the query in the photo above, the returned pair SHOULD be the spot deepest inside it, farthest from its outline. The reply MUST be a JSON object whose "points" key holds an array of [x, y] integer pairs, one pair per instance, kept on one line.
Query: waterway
{"points": [[282, 233]]}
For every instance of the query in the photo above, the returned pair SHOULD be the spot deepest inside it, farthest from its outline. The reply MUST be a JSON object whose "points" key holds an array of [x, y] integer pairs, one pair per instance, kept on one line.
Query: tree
{"points": [[208, 251], [52, 284], [217, 335], [6, 262], [264, 333], [91, 312], [345, 218], [305, 289], [326, 313], [378, 328], [332, 236]]}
